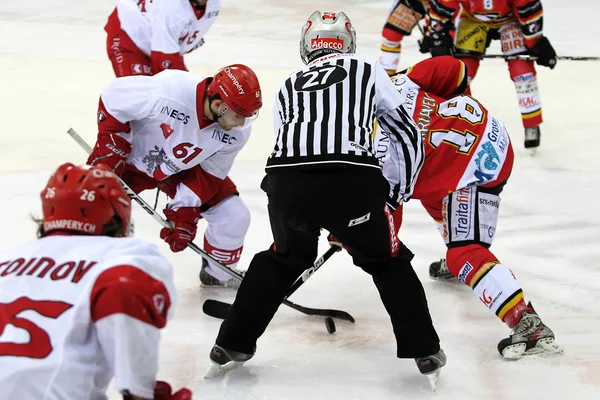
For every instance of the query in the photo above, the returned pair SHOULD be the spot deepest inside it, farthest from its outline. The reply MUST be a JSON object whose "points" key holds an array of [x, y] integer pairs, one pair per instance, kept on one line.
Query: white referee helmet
{"points": [[325, 33]]}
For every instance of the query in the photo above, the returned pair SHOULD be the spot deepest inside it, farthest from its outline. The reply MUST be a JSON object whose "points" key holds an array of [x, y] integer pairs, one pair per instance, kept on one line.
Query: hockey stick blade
{"points": [[322, 312], [219, 309], [529, 58], [216, 308]]}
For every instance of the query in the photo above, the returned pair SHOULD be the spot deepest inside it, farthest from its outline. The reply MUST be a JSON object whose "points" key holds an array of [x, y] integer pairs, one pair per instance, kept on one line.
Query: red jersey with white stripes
{"points": [[76, 311], [464, 144]]}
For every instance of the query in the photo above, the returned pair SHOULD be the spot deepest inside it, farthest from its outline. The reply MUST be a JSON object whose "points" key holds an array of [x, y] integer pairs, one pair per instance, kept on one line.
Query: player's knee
{"points": [[464, 262], [391, 38]]}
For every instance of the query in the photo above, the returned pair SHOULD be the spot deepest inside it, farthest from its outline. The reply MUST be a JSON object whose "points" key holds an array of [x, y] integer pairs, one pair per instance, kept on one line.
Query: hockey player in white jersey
{"points": [[84, 303], [181, 132], [149, 36]]}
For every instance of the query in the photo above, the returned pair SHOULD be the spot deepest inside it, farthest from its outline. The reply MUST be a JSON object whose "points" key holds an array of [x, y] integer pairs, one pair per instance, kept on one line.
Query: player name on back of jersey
{"points": [[46, 267]]}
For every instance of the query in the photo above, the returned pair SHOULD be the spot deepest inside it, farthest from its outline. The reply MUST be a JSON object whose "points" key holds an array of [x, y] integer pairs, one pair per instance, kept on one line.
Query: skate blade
{"points": [[217, 369], [543, 348], [433, 380], [444, 278]]}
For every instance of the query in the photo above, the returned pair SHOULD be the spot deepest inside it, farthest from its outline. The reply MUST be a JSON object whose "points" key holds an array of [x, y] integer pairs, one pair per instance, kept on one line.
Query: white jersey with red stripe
{"points": [[166, 26], [76, 311], [162, 116]]}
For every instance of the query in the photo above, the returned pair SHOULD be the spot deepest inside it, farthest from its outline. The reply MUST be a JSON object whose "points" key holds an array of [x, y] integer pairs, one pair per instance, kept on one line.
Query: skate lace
{"points": [[527, 325], [531, 133], [443, 266]]}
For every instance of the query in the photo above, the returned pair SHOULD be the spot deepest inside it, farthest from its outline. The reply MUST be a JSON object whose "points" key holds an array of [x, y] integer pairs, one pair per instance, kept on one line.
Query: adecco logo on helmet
{"points": [[327, 43], [235, 81]]}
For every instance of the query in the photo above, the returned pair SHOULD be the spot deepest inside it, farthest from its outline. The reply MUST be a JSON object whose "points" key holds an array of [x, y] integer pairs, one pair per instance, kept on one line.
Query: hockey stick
{"points": [[210, 259], [528, 57], [414, 13], [219, 309]]}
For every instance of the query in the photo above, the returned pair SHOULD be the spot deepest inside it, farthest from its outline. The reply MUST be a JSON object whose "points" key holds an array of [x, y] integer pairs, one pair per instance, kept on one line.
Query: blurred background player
{"points": [[403, 17], [180, 133], [517, 24], [84, 303], [468, 158], [148, 36], [312, 184]]}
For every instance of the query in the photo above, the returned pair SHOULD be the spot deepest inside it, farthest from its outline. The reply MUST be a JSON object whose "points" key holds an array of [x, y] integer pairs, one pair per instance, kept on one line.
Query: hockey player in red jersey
{"points": [[468, 159], [84, 303], [403, 17], [517, 24], [180, 132], [149, 36]]}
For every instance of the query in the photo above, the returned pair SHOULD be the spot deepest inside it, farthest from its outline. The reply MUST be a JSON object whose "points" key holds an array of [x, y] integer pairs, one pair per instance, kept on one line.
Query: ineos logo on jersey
{"points": [[173, 113], [223, 137], [319, 78]]}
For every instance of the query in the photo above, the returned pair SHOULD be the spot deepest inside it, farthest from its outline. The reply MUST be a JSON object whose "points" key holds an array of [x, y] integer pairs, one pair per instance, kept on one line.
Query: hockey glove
{"points": [[111, 150], [184, 222], [437, 40], [163, 391], [543, 50]]}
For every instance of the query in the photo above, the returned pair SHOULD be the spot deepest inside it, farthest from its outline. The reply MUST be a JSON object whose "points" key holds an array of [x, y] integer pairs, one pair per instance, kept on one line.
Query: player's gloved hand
{"points": [[543, 50], [437, 39], [111, 150], [184, 222], [163, 391], [333, 241]]}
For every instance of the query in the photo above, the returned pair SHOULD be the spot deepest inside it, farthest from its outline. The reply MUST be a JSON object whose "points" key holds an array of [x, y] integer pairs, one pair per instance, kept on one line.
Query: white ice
{"points": [[53, 65]]}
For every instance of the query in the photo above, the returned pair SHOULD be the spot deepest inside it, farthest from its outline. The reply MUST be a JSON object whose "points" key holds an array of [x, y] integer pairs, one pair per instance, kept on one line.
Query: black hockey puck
{"points": [[330, 324]]}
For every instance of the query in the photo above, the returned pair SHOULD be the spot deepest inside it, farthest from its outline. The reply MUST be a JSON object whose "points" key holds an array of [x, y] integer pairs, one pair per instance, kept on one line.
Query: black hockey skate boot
{"points": [[529, 337], [225, 360], [207, 280], [430, 366], [439, 271], [532, 137]]}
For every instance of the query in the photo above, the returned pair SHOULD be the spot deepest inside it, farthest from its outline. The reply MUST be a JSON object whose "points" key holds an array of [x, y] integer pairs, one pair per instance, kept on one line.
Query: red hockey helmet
{"points": [[237, 85], [84, 199]]}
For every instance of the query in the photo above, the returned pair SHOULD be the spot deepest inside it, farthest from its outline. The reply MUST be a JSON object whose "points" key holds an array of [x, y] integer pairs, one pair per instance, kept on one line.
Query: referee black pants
{"points": [[349, 203]]}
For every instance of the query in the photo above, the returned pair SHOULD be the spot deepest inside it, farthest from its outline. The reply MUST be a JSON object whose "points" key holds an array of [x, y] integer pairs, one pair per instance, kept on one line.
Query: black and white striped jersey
{"points": [[325, 113]]}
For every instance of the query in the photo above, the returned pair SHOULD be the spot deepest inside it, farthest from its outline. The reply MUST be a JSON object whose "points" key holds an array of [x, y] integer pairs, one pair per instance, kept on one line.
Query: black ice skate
{"points": [[439, 271], [532, 137], [207, 280], [529, 337], [430, 366], [225, 360]]}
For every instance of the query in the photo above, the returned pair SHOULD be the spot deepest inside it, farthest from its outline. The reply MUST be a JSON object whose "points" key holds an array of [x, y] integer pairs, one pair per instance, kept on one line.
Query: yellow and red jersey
{"points": [[493, 13], [464, 145]]}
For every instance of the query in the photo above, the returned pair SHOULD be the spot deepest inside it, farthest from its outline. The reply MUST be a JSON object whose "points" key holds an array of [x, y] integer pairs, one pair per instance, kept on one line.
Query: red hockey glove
{"points": [[543, 50], [184, 223], [111, 150], [333, 241], [163, 391]]}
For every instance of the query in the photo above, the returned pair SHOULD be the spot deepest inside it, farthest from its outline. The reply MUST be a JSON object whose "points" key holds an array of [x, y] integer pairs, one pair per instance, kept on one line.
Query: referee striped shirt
{"points": [[325, 113]]}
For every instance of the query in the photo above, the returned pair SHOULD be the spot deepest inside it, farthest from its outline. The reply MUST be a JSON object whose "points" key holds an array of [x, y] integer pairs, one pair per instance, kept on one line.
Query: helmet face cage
{"points": [[327, 31]]}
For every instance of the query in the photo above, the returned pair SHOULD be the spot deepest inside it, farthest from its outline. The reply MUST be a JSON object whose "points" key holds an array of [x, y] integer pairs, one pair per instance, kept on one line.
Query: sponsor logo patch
{"points": [[167, 130], [464, 272], [360, 220], [327, 43]]}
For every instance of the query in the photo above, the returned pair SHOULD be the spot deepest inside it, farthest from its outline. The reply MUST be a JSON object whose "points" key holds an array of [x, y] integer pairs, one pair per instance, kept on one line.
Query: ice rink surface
{"points": [[53, 66]]}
